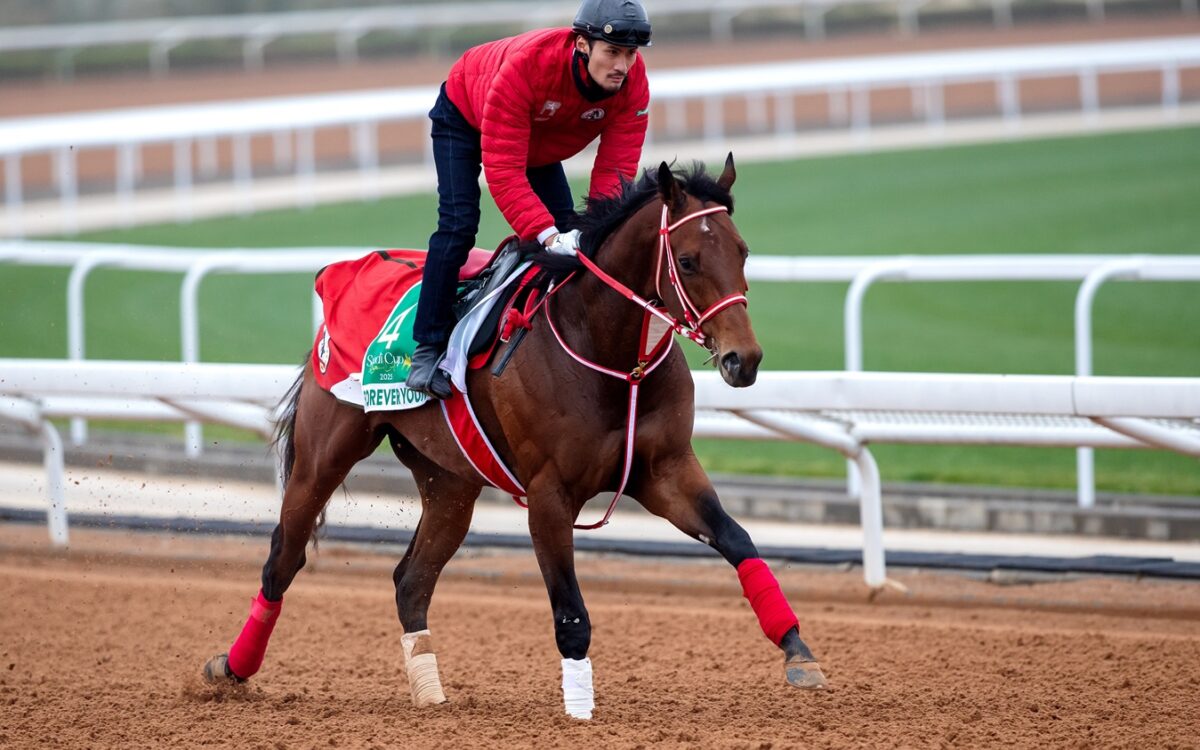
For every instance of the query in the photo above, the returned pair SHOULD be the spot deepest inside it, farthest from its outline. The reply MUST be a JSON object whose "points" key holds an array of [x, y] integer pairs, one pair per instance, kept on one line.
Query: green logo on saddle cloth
{"points": [[389, 358]]}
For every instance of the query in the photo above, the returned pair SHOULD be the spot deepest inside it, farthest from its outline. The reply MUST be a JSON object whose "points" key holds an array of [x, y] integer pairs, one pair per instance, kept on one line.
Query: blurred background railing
{"points": [[347, 27], [861, 272], [776, 99]]}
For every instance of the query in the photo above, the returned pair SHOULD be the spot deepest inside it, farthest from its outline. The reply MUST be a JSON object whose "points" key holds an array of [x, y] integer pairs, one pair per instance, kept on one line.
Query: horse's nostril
{"points": [[731, 362]]}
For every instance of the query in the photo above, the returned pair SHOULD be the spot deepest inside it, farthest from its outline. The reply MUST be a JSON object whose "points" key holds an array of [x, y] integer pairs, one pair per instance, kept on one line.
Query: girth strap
{"points": [[476, 447]]}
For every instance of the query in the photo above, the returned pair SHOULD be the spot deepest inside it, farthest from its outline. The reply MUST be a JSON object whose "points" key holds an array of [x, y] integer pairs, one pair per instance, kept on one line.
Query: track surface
{"points": [[102, 646]]}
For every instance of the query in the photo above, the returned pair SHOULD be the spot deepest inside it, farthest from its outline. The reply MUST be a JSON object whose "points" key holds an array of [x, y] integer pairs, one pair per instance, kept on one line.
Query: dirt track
{"points": [[102, 647]]}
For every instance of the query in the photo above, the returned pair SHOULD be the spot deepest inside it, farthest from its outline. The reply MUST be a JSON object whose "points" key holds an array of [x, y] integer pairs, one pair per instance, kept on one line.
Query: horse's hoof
{"points": [[422, 701], [806, 675], [217, 670]]}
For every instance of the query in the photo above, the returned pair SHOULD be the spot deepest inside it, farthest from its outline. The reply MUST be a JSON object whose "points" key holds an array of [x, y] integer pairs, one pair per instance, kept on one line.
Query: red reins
{"points": [[653, 345]]}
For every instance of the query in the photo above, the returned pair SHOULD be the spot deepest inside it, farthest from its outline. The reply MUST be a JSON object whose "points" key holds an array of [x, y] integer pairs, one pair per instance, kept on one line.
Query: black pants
{"points": [[459, 160]]}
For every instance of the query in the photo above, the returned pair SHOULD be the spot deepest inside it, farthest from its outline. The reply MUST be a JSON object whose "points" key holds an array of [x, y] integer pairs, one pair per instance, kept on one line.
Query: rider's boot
{"points": [[425, 375]]}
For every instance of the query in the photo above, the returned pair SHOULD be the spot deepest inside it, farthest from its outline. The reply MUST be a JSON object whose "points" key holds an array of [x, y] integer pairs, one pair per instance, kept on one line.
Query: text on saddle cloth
{"points": [[363, 351]]}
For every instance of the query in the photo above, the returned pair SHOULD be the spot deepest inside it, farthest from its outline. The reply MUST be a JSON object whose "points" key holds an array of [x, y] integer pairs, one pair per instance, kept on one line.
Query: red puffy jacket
{"points": [[519, 93]]}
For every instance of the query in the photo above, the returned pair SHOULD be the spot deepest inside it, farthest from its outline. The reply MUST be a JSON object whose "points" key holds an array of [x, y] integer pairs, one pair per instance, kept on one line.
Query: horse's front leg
{"points": [[679, 491], [551, 515]]}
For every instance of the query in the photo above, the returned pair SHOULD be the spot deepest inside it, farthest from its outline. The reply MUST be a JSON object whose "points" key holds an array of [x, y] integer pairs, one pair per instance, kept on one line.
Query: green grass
{"points": [[1127, 193]]}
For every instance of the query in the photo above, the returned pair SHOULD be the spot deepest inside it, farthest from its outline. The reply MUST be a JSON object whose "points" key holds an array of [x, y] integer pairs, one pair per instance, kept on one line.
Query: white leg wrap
{"points": [[578, 695], [421, 665]]}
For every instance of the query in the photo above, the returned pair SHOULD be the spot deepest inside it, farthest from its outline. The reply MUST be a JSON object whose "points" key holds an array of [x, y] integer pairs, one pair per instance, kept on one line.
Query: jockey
{"points": [[517, 107]]}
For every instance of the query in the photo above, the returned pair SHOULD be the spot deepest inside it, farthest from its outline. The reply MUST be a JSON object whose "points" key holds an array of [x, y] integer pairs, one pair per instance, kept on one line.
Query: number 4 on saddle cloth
{"points": [[363, 351]]}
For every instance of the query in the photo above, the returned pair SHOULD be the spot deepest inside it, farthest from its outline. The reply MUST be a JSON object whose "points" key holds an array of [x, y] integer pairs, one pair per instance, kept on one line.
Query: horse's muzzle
{"points": [[741, 369]]}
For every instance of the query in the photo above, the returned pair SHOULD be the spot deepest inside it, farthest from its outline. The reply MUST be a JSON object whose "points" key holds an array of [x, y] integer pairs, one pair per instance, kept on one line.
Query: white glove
{"points": [[564, 243]]}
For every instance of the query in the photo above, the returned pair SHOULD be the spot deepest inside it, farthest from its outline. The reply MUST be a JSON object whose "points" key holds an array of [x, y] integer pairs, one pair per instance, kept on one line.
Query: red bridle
{"points": [[693, 316], [653, 347]]}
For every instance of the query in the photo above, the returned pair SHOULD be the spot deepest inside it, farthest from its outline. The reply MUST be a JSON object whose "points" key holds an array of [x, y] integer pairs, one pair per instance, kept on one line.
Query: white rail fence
{"points": [[861, 272], [1092, 271], [348, 26], [843, 411], [293, 121]]}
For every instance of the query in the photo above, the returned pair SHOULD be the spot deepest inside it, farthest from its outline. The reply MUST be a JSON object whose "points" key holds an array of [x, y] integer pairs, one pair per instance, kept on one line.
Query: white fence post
{"points": [[189, 322], [871, 515], [306, 167], [12, 195], [1170, 90], [1010, 100], [76, 330], [183, 180], [243, 173], [68, 188], [1085, 458], [29, 415], [53, 461], [125, 181], [871, 497], [852, 336]]}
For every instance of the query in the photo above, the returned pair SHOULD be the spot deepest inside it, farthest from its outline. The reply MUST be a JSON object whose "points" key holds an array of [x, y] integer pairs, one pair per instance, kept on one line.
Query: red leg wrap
{"points": [[246, 654], [761, 589]]}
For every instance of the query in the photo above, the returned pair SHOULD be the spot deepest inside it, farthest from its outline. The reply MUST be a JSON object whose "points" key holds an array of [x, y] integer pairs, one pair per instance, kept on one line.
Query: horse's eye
{"points": [[686, 264]]}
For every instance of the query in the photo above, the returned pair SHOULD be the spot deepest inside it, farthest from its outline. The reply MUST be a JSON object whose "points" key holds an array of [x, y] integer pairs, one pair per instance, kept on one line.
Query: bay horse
{"points": [[665, 249]]}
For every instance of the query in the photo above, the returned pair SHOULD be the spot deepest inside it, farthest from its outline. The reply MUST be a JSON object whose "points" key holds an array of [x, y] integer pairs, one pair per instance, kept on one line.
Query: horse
{"points": [[561, 415]]}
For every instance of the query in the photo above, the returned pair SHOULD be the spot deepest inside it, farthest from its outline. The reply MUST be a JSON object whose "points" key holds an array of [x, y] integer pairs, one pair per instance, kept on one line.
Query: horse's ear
{"points": [[729, 175], [668, 188]]}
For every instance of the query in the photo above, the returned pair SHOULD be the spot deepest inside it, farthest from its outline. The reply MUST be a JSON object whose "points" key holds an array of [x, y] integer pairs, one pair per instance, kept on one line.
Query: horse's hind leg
{"points": [[326, 440], [447, 504], [679, 491]]}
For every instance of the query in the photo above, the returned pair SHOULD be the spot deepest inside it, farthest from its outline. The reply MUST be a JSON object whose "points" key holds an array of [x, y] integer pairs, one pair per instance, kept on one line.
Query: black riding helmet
{"points": [[620, 22]]}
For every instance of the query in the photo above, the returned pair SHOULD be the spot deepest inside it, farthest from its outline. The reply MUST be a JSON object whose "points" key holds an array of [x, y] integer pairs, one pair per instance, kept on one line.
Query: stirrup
{"points": [[425, 375]]}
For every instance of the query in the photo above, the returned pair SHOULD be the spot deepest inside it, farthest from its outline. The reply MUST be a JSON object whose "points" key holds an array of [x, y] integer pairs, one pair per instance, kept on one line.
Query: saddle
{"points": [[485, 280], [362, 352], [495, 279]]}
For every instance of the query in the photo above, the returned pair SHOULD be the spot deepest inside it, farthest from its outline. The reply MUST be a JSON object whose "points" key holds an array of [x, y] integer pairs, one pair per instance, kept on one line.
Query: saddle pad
{"points": [[363, 350]]}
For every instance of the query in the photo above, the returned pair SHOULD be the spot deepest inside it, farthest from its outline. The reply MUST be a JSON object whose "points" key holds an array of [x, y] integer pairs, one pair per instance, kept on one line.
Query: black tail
{"points": [[285, 428]]}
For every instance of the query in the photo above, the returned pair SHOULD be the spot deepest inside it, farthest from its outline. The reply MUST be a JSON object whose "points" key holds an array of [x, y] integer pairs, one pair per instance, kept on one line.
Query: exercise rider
{"points": [[517, 107]]}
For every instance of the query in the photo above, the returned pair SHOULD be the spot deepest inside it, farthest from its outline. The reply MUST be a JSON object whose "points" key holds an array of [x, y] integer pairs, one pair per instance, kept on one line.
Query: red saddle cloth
{"points": [[357, 296]]}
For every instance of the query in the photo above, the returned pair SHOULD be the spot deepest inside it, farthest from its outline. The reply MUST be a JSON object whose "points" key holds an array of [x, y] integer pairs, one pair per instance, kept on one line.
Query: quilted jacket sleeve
{"points": [[505, 131], [622, 139]]}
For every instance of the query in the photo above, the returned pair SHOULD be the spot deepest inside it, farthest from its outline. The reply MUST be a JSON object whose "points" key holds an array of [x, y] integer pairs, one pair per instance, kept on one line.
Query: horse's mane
{"points": [[602, 216]]}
